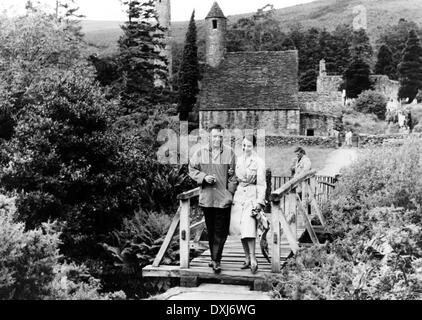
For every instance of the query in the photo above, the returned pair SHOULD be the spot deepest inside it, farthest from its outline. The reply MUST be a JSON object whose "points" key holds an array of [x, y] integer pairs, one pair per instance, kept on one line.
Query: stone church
{"points": [[259, 90]]}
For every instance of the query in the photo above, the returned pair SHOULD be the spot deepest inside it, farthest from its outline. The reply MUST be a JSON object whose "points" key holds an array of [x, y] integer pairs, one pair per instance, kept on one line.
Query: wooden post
{"points": [[184, 233], [308, 224], [275, 237], [268, 191]]}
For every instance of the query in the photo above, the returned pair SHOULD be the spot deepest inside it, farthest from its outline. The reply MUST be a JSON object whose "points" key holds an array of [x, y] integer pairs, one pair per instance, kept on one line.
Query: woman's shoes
{"points": [[254, 268], [245, 265]]}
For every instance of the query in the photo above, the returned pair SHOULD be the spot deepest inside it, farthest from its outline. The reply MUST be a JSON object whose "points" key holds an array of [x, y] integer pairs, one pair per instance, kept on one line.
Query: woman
{"points": [[250, 195]]}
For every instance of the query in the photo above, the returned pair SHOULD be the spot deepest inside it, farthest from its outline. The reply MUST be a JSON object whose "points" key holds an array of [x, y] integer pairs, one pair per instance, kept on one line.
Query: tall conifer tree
{"points": [[140, 61], [385, 64], [189, 72], [410, 69]]}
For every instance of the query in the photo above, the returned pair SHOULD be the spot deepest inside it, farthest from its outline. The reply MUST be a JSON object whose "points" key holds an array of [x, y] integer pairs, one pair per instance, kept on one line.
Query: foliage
{"points": [[136, 245], [33, 47], [189, 73], [260, 32], [385, 63], [361, 46], [371, 102], [375, 219], [30, 266], [410, 69], [395, 37], [141, 65], [356, 78]]}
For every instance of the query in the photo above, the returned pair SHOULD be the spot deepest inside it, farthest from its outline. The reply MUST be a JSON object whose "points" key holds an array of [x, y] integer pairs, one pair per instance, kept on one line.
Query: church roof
{"points": [[215, 12], [266, 80]]}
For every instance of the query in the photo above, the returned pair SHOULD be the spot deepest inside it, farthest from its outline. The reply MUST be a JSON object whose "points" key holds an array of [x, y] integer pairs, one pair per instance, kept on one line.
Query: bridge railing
{"points": [[182, 219], [293, 209]]}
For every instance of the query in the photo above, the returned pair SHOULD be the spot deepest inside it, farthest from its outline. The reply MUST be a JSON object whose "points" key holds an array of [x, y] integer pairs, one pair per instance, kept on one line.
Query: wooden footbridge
{"points": [[291, 213]]}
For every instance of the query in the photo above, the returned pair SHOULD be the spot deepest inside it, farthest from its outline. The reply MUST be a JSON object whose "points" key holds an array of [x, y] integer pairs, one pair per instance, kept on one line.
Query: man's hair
{"points": [[300, 150], [215, 126]]}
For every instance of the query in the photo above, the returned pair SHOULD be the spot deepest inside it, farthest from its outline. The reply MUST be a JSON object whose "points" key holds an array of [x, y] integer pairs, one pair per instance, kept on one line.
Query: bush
{"points": [[135, 246], [371, 102], [375, 217], [30, 265]]}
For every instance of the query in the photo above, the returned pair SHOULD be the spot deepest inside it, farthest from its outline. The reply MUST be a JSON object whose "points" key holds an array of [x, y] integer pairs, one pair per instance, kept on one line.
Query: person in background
{"points": [[211, 167], [302, 164], [250, 196]]}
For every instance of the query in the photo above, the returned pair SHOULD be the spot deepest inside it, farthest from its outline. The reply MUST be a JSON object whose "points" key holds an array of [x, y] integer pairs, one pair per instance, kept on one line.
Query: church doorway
{"points": [[310, 132]]}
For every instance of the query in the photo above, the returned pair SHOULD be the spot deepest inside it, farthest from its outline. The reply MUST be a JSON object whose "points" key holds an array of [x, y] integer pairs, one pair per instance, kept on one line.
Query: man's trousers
{"points": [[217, 221]]}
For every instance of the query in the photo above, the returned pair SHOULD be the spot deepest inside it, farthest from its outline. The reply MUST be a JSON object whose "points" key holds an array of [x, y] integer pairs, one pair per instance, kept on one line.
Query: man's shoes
{"points": [[216, 267], [211, 264]]}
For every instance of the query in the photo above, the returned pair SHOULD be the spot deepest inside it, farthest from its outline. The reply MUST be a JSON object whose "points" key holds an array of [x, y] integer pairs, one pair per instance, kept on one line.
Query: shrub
{"points": [[135, 246], [375, 217], [30, 265], [371, 102]]}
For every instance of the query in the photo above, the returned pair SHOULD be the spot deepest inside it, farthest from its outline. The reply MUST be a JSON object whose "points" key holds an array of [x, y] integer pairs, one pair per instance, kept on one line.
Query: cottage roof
{"points": [[266, 80], [215, 12]]}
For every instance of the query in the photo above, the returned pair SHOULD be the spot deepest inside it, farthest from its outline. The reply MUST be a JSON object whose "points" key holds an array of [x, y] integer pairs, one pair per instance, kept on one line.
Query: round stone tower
{"points": [[163, 9], [216, 25]]}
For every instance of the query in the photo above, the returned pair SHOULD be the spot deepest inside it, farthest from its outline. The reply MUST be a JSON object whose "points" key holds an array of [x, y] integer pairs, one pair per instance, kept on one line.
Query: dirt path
{"points": [[213, 292], [337, 160]]}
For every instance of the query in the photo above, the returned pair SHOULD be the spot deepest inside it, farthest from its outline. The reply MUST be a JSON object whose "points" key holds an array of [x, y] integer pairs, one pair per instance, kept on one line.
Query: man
{"points": [[302, 164], [211, 167]]}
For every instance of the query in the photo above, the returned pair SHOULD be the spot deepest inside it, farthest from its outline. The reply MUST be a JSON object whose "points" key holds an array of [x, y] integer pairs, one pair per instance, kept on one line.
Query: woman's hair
{"points": [[251, 138]]}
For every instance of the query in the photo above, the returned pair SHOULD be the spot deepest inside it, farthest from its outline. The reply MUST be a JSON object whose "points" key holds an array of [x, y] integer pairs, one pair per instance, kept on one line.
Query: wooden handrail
{"points": [[189, 194], [277, 194]]}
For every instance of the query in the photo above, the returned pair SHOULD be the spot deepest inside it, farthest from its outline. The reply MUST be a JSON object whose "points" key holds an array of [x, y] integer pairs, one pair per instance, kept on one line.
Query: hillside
{"points": [[321, 13]]}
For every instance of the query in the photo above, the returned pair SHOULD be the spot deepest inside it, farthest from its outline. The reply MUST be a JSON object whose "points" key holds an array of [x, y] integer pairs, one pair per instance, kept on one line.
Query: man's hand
{"points": [[210, 179], [259, 206], [231, 172]]}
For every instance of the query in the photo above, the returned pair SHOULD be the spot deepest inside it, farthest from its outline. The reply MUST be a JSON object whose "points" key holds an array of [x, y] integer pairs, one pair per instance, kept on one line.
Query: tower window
{"points": [[310, 132], [214, 24]]}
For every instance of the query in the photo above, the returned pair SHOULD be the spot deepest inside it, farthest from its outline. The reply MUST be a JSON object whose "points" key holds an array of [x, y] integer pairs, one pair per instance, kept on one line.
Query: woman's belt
{"points": [[246, 184]]}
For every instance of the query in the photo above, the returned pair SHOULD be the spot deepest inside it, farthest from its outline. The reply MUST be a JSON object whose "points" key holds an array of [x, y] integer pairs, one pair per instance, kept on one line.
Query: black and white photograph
{"points": [[208, 158]]}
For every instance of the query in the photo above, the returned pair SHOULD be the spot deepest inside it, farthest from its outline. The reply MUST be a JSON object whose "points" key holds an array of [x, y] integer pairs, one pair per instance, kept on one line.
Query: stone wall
{"points": [[329, 83], [321, 102], [323, 142], [215, 47], [383, 84], [385, 139], [321, 124], [275, 122]]}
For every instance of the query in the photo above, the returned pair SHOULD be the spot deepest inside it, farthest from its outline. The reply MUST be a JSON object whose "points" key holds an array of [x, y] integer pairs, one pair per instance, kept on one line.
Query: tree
{"points": [[361, 47], [356, 78], [140, 61], [372, 102], [261, 32], [395, 37], [189, 72], [342, 56], [288, 44], [385, 64], [410, 68]]}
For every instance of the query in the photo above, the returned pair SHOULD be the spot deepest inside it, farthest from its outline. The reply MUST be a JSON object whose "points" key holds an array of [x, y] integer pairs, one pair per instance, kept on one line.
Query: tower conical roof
{"points": [[215, 12]]}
